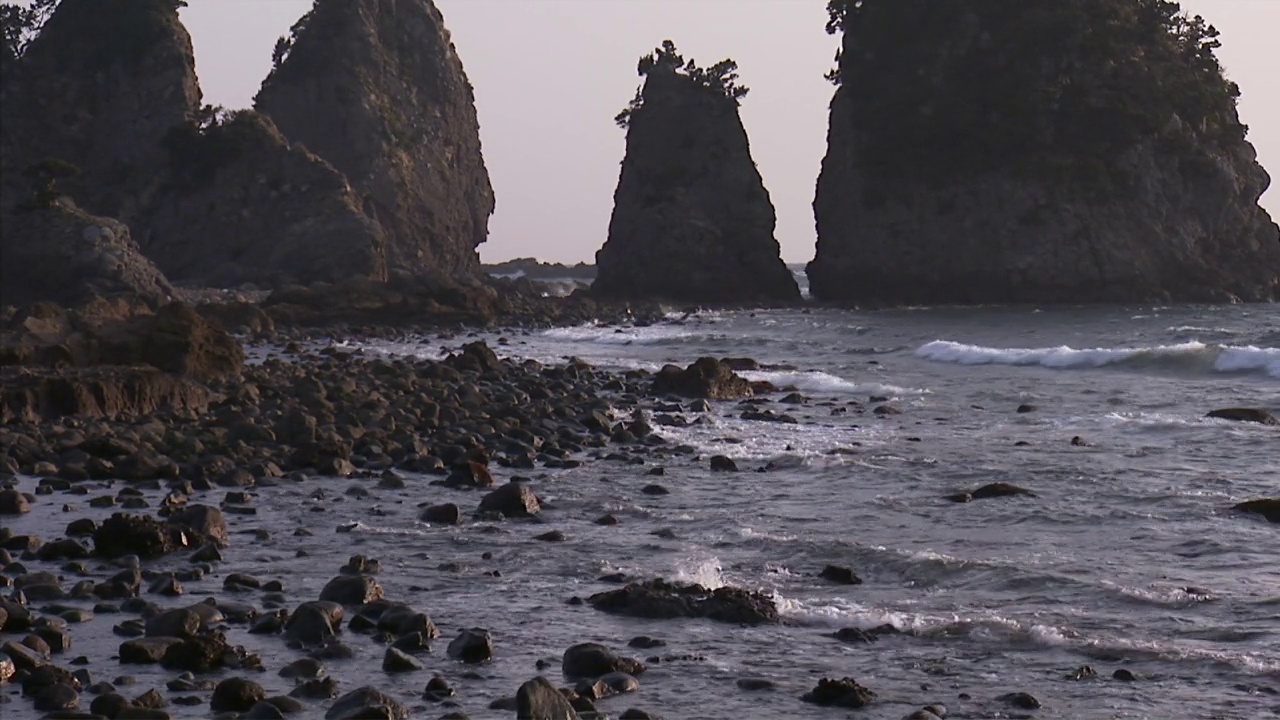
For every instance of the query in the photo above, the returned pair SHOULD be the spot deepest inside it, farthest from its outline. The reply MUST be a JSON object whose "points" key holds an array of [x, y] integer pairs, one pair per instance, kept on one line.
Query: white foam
{"points": [[1218, 358], [704, 571], [621, 335], [817, 381]]}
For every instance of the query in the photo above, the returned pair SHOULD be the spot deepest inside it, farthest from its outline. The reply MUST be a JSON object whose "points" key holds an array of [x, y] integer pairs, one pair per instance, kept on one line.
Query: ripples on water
{"points": [[1126, 557]]}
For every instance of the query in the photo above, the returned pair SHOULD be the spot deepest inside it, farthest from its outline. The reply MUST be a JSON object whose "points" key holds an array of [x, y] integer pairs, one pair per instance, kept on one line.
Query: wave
{"points": [[817, 381], [626, 335], [1188, 356]]}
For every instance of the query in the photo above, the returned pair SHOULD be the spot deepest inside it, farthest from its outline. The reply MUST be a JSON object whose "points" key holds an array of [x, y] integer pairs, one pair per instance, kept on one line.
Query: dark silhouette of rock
{"points": [[538, 699], [846, 693], [705, 378], [692, 221], [367, 702], [1268, 508], [97, 88], [241, 204], [64, 255], [592, 660], [39, 395], [663, 599], [376, 88], [990, 490], [979, 153], [1254, 415]]}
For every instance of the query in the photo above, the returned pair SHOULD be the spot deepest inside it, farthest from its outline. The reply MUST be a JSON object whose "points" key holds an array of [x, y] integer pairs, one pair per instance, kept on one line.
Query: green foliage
{"points": [[284, 44], [721, 79], [19, 25], [44, 177], [960, 86], [217, 138]]}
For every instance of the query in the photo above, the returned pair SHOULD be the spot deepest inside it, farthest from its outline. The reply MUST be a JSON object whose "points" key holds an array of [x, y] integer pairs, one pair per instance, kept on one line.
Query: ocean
{"points": [[1126, 556]]}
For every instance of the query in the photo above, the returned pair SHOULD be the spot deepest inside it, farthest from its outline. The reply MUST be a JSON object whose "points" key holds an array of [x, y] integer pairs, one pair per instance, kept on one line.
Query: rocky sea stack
{"points": [[376, 88], [1038, 151], [692, 220]]}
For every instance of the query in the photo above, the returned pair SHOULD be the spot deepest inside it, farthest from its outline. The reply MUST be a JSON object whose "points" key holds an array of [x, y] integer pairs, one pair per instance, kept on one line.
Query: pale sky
{"points": [[549, 76]]}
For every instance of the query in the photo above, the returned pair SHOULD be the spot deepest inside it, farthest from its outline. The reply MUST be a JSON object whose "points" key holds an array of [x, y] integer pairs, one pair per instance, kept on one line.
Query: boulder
{"points": [[663, 599], [845, 693], [1253, 415], [515, 499], [367, 702], [706, 378], [538, 699], [236, 695], [376, 88], [57, 252], [446, 514], [13, 502], [945, 186], [592, 660], [474, 645], [351, 590], [990, 490], [1268, 508], [692, 221]]}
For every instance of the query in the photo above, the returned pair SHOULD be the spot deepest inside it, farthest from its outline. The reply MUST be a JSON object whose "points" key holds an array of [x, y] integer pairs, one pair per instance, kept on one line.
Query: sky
{"points": [[549, 76]]}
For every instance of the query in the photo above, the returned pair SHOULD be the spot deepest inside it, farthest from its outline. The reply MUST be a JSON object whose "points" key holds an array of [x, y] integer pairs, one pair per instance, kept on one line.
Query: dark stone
{"points": [[446, 514], [1252, 415], [538, 699], [236, 694], [351, 590], [846, 693], [514, 499], [663, 599], [592, 660], [991, 490], [1020, 700], [1268, 508], [474, 645], [706, 378], [397, 661], [722, 463], [841, 575], [367, 702]]}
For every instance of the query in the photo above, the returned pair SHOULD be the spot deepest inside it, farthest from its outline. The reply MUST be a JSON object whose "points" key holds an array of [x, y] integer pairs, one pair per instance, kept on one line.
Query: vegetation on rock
{"points": [[1037, 80], [720, 79]]}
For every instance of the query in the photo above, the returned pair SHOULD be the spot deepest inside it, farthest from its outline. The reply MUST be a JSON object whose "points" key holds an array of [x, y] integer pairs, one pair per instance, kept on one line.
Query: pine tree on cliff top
{"points": [[720, 79]]}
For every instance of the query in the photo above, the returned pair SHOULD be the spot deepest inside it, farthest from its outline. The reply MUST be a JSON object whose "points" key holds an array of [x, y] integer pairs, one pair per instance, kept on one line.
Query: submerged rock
{"points": [[376, 88], [692, 220], [1268, 508], [1253, 415], [1041, 152], [592, 660], [990, 490], [663, 599]]}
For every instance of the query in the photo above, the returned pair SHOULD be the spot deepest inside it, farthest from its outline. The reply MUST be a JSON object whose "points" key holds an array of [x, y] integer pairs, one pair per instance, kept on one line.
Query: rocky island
{"points": [[1042, 151], [692, 221]]}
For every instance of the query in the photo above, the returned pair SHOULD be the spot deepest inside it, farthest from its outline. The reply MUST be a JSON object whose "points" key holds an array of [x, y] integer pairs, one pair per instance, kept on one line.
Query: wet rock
{"points": [[1124, 675], [236, 694], [306, 668], [538, 699], [755, 684], [723, 463], [321, 688], [1084, 672], [644, 642], [1268, 508], [551, 536], [608, 685], [845, 692], [991, 490], [351, 590], [367, 702], [840, 575], [655, 489], [197, 654], [474, 645], [663, 599], [13, 502], [263, 710], [1251, 415], [707, 378], [146, 650], [469, 475], [592, 660], [176, 623], [446, 514], [513, 500], [203, 524], [139, 535], [397, 661], [437, 689], [55, 697], [1020, 700]]}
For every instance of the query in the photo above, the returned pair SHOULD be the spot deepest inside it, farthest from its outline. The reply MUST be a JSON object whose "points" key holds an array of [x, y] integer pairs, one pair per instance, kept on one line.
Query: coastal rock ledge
{"points": [[1043, 151], [692, 221]]}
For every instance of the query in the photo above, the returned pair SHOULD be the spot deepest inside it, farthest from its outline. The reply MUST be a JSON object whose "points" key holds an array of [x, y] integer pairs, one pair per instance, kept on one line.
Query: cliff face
{"points": [[240, 204], [376, 88], [99, 86], [692, 220], [1036, 151]]}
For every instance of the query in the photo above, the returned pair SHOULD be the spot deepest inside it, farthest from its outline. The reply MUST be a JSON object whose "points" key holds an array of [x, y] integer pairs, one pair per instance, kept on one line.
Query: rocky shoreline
{"points": [[155, 500]]}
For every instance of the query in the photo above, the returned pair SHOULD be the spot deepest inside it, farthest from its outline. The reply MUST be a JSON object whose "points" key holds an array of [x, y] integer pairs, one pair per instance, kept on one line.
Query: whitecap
{"points": [[1195, 356]]}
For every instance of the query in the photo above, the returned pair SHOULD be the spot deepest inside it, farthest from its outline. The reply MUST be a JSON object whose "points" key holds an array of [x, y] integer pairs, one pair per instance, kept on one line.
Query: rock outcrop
{"points": [[64, 255], [241, 204], [1044, 151], [692, 220], [376, 88], [98, 88]]}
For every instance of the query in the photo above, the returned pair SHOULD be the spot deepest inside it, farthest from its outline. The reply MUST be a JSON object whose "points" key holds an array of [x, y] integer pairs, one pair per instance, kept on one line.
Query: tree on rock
{"points": [[719, 79]]}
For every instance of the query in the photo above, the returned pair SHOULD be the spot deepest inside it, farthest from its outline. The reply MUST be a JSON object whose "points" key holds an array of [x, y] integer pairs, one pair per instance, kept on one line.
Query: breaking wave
{"points": [[1186, 357]]}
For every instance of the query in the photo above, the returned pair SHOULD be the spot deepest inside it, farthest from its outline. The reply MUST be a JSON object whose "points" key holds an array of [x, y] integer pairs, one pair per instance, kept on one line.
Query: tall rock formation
{"points": [[376, 88], [1036, 151], [692, 220], [109, 87], [97, 88]]}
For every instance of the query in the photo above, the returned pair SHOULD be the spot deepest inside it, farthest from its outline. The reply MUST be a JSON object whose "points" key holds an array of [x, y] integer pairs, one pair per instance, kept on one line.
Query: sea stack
{"points": [[692, 221], [1045, 151], [376, 88], [97, 89]]}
